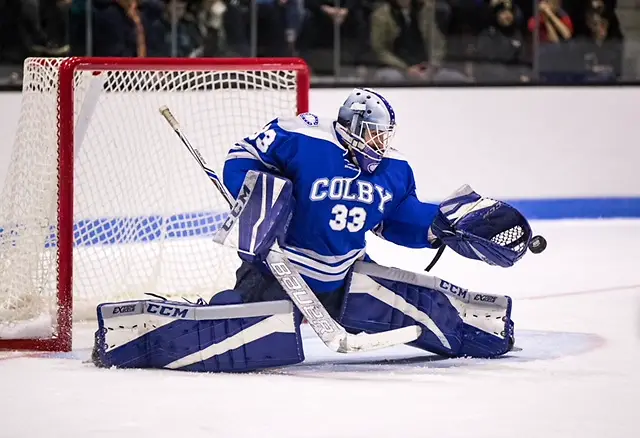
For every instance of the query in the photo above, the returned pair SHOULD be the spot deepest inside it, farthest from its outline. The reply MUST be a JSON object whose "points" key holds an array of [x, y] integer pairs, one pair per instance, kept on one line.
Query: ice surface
{"points": [[576, 309], [36, 328]]}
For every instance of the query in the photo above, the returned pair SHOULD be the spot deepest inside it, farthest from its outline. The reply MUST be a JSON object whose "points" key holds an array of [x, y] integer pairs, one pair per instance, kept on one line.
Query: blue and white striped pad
{"points": [[190, 337], [455, 321]]}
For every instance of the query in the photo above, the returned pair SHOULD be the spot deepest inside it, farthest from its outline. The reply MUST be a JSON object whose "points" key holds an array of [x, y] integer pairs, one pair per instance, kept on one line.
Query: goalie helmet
{"points": [[366, 125]]}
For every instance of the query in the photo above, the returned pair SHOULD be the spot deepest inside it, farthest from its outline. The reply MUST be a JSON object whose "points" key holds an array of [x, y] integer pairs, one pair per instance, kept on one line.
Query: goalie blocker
{"points": [[226, 335]]}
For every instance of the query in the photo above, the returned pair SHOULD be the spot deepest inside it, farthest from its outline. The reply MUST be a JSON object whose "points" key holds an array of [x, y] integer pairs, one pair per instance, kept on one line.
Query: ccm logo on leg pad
{"points": [[484, 298], [164, 310]]}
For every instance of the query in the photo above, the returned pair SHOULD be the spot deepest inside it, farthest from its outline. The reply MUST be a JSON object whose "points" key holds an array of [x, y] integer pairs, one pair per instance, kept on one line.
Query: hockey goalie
{"points": [[304, 191]]}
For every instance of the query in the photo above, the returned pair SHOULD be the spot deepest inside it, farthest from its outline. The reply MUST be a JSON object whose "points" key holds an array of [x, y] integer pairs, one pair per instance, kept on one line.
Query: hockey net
{"points": [[102, 203]]}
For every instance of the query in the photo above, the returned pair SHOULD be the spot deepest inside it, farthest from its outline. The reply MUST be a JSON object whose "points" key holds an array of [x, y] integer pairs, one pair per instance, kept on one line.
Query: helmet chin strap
{"points": [[355, 163], [346, 138], [353, 158]]}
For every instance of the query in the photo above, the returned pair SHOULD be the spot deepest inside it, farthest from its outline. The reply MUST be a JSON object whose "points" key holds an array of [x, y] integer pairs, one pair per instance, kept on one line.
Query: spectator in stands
{"points": [[25, 18], [462, 17], [553, 23], [605, 41], [501, 40], [602, 22], [595, 53], [407, 43], [224, 28], [124, 28], [55, 17], [347, 15], [279, 23], [188, 38], [505, 16]]}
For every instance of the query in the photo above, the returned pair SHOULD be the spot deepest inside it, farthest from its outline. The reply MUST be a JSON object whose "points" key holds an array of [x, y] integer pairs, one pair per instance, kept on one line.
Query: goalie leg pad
{"points": [[192, 337], [455, 321]]}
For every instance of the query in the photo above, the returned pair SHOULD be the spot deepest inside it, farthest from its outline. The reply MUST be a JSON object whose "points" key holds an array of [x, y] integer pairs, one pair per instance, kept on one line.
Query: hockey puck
{"points": [[537, 244]]}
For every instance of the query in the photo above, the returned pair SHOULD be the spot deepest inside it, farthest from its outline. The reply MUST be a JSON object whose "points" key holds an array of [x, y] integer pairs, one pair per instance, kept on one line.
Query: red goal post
{"points": [[98, 205]]}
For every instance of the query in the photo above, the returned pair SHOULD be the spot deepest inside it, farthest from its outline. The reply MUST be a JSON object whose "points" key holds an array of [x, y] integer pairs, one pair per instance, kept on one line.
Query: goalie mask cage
{"points": [[100, 186]]}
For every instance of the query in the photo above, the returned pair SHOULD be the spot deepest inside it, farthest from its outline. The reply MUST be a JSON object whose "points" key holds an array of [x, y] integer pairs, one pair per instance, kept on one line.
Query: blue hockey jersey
{"points": [[335, 203]]}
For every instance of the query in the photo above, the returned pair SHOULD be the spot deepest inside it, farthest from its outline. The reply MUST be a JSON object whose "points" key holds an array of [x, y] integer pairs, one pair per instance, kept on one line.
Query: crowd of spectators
{"points": [[385, 40]]}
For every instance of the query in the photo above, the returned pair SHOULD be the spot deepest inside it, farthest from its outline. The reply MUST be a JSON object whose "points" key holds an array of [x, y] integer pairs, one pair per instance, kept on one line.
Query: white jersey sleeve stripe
{"points": [[327, 278], [320, 266], [244, 146], [327, 260], [240, 154]]}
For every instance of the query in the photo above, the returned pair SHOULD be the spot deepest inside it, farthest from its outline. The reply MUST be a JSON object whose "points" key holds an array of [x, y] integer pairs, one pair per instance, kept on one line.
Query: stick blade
{"points": [[376, 341]]}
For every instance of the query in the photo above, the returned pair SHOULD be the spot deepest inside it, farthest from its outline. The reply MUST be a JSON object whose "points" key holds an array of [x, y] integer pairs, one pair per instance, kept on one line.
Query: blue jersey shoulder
{"points": [[308, 128], [280, 140], [399, 172]]}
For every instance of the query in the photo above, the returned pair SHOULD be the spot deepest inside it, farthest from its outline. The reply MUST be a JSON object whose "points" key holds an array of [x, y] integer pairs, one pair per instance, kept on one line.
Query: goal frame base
{"points": [[58, 343]]}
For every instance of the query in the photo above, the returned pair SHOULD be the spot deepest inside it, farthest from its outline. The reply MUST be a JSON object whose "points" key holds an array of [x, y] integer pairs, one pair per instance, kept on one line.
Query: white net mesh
{"points": [[143, 210]]}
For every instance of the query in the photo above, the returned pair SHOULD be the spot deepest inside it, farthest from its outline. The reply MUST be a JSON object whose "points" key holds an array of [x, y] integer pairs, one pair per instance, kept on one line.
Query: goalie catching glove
{"points": [[482, 228]]}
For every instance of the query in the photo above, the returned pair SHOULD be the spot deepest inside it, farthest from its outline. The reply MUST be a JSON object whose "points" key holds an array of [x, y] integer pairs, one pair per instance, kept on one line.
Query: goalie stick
{"points": [[332, 334]]}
